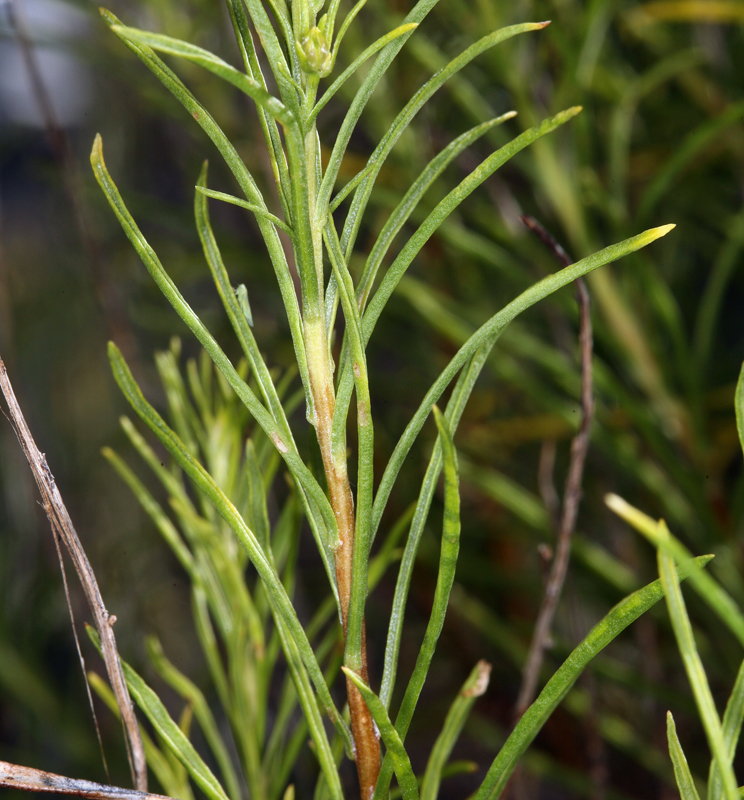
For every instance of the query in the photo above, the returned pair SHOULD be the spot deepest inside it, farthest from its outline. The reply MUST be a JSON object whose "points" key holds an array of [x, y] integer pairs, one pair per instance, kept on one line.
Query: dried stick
{"points": [[572, 494], [36, 780], [62, 527]]}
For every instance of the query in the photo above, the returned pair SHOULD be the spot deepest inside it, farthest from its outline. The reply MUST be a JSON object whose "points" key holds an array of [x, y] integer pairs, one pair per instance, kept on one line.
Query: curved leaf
{"points": [[622, 615]]}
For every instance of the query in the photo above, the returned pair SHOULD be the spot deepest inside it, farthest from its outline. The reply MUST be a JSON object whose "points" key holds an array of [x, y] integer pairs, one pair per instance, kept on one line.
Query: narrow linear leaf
{"points": [[211, 62], [739, 406], [455, 408], [709, 589], [694, 668], [281, 604], [269, 128], [418, 188], [449, 551], [191, 693], [272, 46], [475, 685], [622, 615], [682, 774], [396, 752], [168, 730], [236, 201], [149, 258], [486, 337], [345, 25], [732, 722]]}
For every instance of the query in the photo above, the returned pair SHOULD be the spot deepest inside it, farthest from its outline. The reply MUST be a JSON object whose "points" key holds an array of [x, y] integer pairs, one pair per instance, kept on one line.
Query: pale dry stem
{"points": [[63, 528]]}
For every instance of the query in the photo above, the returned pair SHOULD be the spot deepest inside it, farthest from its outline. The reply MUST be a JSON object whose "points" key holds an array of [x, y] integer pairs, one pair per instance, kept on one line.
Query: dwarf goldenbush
{"points": [[301, 50], [244, 615]]}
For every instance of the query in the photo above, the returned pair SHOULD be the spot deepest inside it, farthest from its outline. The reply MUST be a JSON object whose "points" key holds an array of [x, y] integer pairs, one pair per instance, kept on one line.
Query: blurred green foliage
{"points": [[660, 140]]}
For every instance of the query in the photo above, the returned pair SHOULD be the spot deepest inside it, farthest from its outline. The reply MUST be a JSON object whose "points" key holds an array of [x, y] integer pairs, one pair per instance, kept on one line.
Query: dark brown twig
{"points": [[63, 529], [36, 780], [572, 494]]}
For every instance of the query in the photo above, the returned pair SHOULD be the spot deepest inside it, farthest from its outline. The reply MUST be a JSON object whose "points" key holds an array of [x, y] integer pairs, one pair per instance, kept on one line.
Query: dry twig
{"points": [[63, 528], [572, 494], [36, 780]]}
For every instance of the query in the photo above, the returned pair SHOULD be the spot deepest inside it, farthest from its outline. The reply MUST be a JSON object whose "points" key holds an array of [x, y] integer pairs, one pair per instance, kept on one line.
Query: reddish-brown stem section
{"points": [[366, 742]]}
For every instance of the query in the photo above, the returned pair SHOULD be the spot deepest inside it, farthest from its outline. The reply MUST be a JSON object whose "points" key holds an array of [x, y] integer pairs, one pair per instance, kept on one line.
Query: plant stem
{"points": [[366, 743]]}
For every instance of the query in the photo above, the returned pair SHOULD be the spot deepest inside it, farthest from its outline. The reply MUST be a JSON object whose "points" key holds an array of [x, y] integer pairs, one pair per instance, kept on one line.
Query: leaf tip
{"points": [[113, 351], [109, 18], [663, 230], [544, 24], [614, 502], [202, 179], [96, 153]]}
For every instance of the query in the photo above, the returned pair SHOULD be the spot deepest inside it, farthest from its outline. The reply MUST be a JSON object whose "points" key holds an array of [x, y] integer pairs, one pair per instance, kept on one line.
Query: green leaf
{"points": [[711, 591], [682, 774], [450, 548], [418, 188], [271, 427], [236, 201], [269, 128], [281, 604], [473, 688], [193, 695], [455, 408], [211, 62], [732, 722], [486, 336], [739, 406], [396, 752], [168, 730], [272, 47], [694, 668], [622, 615]]}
